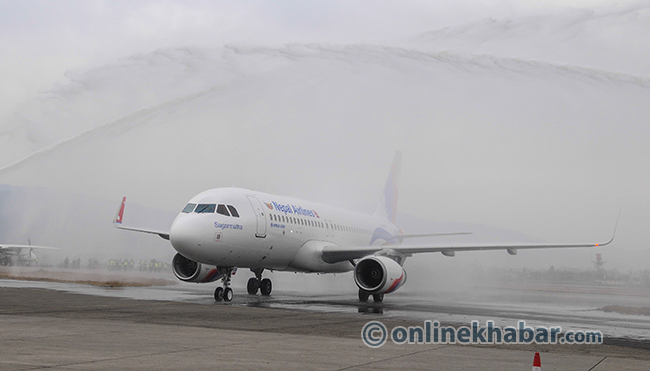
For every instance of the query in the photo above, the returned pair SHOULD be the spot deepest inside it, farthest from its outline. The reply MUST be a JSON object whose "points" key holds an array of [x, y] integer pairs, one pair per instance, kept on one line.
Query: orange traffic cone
{"points": [[537, 363]]}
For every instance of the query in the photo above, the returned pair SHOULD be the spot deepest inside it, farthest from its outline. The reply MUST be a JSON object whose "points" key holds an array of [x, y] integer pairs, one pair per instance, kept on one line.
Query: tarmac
{"points": [[56, 330]]}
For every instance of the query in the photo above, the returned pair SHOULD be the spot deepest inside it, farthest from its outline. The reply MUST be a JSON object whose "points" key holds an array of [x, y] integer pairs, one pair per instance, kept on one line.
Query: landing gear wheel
{"points": [[228, 294], [363, 295], [378, 298], [253, 286], [266, 287], [218, 294]]}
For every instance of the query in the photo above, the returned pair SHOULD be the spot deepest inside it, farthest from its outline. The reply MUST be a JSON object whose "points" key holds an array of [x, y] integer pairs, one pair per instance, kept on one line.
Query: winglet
{"points": [[120, 213], [117, 223], [613, 234]]}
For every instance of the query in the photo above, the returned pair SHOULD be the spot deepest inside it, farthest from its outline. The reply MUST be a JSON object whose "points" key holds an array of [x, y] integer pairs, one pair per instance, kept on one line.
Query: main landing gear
{"points": [[257, 283], [224, 292], [364, 295]]}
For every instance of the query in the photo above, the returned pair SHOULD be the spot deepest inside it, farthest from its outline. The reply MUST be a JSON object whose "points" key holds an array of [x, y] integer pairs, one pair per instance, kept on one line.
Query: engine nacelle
{"points": [[379, 274], [190, 271]]}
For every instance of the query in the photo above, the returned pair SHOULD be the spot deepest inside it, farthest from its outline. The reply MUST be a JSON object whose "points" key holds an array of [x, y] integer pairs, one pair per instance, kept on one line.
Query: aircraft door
{"points": [[259, 215]]}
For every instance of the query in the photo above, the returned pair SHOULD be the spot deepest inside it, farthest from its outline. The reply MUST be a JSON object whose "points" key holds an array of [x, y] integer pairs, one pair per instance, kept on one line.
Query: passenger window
{"points": [[233, 211], [189, 208], [205, 208], [221, 209]]}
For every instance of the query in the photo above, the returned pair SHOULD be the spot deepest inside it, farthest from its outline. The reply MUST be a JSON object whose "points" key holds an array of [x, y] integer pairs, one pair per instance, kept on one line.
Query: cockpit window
{"points": [[221, 209], [205, 208], [233, 211], [189, 208]]}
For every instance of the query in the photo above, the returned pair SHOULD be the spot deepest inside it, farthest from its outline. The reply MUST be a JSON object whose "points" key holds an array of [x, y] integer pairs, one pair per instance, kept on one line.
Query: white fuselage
{"points": [[271, 232]]}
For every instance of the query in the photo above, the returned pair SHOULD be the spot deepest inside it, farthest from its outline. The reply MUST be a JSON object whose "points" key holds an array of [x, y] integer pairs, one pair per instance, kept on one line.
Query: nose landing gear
{"points": [[257, 283], [224, 292]]}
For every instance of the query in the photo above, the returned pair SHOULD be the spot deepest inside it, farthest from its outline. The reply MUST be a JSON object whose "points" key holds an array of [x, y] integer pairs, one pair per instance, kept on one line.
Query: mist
{"points": [[517, 122]]}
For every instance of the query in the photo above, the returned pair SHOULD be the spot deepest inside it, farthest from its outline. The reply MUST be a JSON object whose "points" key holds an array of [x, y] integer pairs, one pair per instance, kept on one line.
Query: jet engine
{"points": [[379, 275], [190, 271]]}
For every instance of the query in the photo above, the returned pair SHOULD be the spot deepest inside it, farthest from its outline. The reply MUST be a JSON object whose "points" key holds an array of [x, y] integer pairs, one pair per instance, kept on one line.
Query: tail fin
{"points": [[387, 207], [120, 213]]}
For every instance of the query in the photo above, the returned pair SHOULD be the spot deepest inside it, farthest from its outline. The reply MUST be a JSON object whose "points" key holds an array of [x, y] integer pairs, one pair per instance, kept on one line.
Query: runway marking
{"points": [[599, 362]]}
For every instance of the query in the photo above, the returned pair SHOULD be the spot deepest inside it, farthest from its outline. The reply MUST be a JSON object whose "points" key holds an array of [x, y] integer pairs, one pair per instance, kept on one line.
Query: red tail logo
{"points": [[120, 214]]}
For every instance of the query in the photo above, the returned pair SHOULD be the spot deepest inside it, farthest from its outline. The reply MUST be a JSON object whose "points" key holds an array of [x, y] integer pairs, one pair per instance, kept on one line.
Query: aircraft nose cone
{"points": [[184, 236]]}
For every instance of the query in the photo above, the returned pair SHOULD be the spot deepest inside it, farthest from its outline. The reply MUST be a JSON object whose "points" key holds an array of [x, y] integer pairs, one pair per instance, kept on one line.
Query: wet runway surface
{"points": [[571, 307], [309, 322], [58, 330]]}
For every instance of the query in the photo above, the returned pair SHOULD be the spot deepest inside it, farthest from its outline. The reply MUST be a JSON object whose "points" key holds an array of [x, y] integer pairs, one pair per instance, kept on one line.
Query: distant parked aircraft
{"points": [[20, 254]]}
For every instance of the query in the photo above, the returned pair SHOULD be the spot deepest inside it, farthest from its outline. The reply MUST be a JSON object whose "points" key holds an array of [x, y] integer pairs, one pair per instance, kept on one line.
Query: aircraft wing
{"points": [[20, 247], [333, 254], [117, 223], [162, 234]]}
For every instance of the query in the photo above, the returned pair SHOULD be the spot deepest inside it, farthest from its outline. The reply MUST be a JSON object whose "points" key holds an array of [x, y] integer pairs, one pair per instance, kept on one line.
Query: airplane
{"points": [[20, 254], [222, 229]]}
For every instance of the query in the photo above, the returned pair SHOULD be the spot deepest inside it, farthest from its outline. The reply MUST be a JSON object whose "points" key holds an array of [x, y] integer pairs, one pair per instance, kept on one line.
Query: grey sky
{"points": [[41, 40]]}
